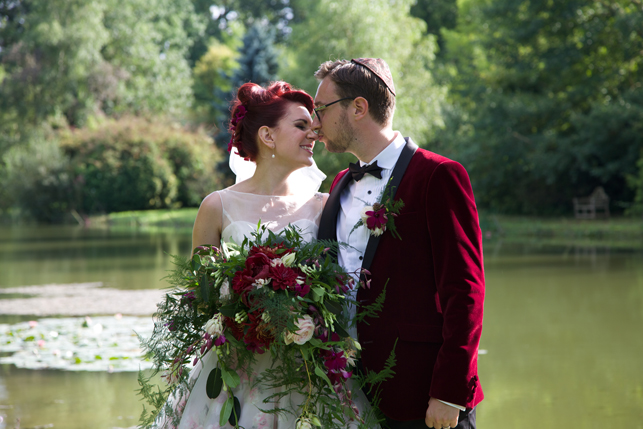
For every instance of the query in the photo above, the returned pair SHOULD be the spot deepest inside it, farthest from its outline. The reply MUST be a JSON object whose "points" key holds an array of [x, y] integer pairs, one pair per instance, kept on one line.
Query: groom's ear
{"points": [[266, 136], [361, 108]]}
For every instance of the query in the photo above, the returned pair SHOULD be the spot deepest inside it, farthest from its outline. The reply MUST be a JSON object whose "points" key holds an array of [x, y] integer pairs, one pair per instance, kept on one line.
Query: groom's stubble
{"points": [[345, 135]]}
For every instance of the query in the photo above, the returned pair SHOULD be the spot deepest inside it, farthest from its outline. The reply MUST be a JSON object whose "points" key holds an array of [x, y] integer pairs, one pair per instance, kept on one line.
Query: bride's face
{"points": [[294, 137]]}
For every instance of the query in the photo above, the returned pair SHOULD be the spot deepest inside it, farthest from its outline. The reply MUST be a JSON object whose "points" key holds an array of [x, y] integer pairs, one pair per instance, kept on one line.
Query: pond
{"points": [[561, 341]]}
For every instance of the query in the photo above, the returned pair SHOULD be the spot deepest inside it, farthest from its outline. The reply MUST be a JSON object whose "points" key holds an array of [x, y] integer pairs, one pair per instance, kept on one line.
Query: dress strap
{"points": [[227, 219]]}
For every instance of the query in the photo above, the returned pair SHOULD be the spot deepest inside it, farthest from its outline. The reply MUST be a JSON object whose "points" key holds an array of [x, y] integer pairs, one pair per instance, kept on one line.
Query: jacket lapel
{"points": [[328, 221], [396, 177]]}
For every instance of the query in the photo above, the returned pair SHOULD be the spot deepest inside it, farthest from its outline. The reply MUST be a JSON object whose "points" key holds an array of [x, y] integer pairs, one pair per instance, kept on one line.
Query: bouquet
{"points": [[272, 294]]}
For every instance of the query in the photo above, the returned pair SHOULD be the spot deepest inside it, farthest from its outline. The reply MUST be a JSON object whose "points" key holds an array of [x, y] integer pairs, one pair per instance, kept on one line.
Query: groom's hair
{"points": [[354, 80]]}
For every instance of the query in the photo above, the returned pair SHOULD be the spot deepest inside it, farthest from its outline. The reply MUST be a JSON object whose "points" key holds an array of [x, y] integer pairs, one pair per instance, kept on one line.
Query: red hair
{"points": [[255, 107]]}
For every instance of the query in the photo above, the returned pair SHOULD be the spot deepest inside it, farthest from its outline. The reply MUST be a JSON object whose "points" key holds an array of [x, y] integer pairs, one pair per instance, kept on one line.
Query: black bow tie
{"points": [[359, 172]]}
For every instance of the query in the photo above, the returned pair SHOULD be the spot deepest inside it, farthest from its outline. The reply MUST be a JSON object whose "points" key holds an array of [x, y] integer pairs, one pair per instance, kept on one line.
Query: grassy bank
{"points": [[493, 226], [175, 219]]}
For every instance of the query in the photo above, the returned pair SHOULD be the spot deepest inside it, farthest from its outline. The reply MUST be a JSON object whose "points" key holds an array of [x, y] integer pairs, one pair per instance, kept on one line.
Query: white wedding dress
{"points": [[241, 214]]}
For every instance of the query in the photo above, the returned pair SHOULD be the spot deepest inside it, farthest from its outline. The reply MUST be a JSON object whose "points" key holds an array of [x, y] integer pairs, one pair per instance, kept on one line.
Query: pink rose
{"points": [[305, 330]]}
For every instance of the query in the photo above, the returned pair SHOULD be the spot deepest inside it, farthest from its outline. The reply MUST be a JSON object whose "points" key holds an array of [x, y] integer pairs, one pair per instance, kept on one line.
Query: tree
{"points": [[437, 14], [71, 59], [257, 63], [546, 101], [212, 84], [225, 14]]}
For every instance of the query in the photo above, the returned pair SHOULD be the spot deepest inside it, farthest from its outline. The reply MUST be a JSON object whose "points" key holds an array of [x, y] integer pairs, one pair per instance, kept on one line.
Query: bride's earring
{"points": [[273, 156]]}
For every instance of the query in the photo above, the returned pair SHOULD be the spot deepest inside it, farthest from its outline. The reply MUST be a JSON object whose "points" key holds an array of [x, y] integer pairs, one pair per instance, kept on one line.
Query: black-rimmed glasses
{"points": [[323, 106]]}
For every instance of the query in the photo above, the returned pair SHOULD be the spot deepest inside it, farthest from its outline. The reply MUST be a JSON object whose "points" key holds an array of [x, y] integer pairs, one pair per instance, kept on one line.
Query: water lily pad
{"points": [[103, 344]]}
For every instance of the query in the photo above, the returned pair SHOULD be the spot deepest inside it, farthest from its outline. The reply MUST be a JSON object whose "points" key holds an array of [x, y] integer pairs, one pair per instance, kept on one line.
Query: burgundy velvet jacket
{"points": [[435, 293]]}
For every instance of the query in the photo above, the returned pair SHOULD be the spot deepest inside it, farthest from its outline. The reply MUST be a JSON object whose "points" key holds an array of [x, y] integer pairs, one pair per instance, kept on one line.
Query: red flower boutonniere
{"points": [[380, 217]]}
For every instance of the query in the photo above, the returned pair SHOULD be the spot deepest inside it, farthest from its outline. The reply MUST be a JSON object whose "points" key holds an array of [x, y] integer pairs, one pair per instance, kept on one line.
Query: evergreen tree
{"points": [[257, 63]]}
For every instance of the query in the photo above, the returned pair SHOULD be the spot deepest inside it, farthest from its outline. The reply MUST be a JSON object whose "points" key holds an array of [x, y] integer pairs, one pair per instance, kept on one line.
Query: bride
{"points": [[272, 128]]}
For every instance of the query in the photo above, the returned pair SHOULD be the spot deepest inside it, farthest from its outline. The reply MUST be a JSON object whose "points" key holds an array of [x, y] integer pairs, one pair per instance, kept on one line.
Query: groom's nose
{"points": [[316, 125]]}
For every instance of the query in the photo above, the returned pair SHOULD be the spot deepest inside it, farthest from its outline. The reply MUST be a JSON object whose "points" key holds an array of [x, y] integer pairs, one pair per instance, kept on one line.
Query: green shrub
{"points": [[35, 182], [635, 182], [136, 164]]}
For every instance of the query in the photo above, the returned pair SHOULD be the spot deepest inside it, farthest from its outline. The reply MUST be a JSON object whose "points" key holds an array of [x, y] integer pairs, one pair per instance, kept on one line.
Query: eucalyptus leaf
{"points": [[228, 310], [214, 384], [341, 331], [226, 411], [333, 307], [320, 372], [205, 288], [230, 377], [196, 262], [235, 416]]}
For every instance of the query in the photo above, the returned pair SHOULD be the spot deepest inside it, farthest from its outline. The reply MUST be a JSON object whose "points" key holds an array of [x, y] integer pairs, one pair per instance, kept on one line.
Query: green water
{"points": [[562, 342]]}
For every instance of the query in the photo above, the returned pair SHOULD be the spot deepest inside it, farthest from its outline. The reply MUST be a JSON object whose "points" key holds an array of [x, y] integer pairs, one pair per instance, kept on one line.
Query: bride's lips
{"points": [[308, 147]]}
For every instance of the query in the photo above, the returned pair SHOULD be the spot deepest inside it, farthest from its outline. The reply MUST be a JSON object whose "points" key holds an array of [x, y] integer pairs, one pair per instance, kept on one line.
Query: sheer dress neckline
{"points": [[242, 211]]}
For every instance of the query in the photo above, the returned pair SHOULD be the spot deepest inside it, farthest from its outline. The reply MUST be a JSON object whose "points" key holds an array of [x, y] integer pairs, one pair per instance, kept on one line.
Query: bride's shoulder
{"points": [[212, 202]]}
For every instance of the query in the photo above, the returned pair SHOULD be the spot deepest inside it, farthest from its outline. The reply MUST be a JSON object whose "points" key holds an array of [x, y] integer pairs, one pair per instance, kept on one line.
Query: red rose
{"points": [[257, 263]]}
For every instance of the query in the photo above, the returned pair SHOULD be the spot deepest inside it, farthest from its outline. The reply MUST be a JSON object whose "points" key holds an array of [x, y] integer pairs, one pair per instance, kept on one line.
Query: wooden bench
{"points": [[595, 206]]}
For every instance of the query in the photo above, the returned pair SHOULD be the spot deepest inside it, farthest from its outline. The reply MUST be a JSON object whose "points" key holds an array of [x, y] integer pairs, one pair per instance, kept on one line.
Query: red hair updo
{"points": [[255, 107]]}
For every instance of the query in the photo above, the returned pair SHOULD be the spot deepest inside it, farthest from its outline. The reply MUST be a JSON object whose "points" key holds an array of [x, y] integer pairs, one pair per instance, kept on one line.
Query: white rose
{"points": [[214, 326], [305, 331], [289, 259], [377, 231], [363, 213]]}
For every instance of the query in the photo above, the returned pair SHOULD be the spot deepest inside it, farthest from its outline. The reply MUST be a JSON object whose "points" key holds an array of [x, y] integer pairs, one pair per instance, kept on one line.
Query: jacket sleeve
{"points": [[456, 243]]}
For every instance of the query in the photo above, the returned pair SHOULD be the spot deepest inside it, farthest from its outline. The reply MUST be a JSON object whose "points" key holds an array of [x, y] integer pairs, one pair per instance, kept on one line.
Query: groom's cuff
{"points": [[453, 405]]}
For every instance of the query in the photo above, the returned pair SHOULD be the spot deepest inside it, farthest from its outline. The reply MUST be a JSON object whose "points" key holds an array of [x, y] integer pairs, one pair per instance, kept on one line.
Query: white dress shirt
{"points": [[354, 197]]}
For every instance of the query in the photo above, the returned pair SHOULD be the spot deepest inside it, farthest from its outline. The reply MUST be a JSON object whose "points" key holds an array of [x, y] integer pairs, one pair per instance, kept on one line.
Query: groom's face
{"points": [[332, 124]]}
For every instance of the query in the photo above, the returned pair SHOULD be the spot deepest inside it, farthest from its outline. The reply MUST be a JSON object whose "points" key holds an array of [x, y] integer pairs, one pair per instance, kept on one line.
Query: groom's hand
{"points": [[440, 415]]}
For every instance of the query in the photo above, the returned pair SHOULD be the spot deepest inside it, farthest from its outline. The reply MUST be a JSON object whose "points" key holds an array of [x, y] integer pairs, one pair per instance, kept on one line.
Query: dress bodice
{"points": [[242, 211]]}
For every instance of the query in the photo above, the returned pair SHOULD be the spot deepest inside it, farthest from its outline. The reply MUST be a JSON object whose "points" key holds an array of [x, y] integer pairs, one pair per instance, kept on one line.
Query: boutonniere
{"points": [[380, 217]]}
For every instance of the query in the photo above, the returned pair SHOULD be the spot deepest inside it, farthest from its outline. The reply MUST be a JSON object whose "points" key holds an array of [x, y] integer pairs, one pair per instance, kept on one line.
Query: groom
{"points": [[434, 296]]}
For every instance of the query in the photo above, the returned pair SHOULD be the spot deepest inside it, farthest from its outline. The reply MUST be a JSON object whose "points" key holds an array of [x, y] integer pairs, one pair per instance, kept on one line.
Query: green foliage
{"points": [[225, 15], [635, 182], [149, 64], [437, 14], [77, 58], [35, 178], [212, 79], [133, 164], [546, 101]]}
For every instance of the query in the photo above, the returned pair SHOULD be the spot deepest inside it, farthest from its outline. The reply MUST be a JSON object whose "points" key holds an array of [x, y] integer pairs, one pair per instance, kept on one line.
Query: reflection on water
{"points": [[561, 331], [123, 259], [69, 400]]}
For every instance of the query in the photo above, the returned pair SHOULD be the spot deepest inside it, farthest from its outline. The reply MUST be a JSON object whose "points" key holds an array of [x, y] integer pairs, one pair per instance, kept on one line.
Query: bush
{"points": [[34, 178], [635, 182], [136, 164]]}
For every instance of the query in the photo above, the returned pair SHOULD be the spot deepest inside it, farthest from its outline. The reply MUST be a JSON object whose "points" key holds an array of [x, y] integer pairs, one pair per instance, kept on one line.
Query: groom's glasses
{"points": [[323, 106]]}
